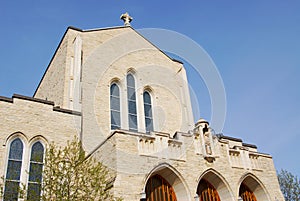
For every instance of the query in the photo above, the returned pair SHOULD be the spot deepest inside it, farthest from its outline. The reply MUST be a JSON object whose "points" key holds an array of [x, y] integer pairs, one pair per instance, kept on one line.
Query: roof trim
{"points": [[249, 145], [230, 138], [172, 59], [33, 99], [107, 28], [58, 109], [98, 29], [6, 99], [37, 100], [178, 61]]}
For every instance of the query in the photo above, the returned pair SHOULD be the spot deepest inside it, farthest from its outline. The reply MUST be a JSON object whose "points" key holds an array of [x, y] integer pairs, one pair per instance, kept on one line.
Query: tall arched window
{"points": [[35, 172], [115, 117], [13, 172], [131, 96], [148, 112]]}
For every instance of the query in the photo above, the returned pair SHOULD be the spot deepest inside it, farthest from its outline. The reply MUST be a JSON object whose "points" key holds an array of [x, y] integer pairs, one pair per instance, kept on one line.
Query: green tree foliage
{"points": [[69, 175], [290, 185]]}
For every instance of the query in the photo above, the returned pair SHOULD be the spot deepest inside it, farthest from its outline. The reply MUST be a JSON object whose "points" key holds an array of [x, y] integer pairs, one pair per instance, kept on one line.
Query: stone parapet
{"points": [[134, 157]]}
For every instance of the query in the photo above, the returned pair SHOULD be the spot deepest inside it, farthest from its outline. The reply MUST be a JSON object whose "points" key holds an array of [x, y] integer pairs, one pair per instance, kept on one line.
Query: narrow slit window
{"points": [[13, 173], [148, 112], [115, 112], [35, 172], [131, 97]]}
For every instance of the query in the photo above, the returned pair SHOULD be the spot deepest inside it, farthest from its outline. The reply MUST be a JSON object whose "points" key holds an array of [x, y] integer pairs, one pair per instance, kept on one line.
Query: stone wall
{"points": [[108, 56], [52, 84], [82, 81], [31, 120], [133, 166]]}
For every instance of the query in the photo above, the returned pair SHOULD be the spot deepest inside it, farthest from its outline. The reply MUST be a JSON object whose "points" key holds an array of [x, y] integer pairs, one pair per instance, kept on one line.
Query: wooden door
{"points": [[246, 194], [207, 192], [158, 189]]}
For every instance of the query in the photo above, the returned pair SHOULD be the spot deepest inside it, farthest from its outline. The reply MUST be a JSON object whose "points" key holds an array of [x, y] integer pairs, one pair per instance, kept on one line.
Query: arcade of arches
{"points": [[158, 189]]}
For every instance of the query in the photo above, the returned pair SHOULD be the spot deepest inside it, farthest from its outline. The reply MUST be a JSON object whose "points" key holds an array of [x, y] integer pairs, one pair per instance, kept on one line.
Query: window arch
{"points": [[35, 171], [148, 112], [13, 172], [131, 98], [115, 109]]}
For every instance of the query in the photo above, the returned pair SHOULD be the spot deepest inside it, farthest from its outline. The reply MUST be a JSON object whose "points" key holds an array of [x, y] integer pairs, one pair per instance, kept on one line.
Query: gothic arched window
{"points": [[13, 172], [131, 97], [115, 111], [148, 112], [35, 171]]}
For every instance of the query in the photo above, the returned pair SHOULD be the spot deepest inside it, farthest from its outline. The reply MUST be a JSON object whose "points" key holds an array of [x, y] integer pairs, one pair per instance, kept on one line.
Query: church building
{"points": [[129, 103]]}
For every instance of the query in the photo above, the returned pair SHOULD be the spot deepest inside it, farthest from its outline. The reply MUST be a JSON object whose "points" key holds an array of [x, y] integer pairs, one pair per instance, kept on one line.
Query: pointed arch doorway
{"points": [[252, 189], [207, 192], [246, 194], [158, 189]]}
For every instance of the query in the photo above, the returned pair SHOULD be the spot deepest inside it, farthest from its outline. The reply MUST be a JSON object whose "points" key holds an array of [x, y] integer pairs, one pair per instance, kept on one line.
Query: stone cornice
{"points": [[41, 101]]}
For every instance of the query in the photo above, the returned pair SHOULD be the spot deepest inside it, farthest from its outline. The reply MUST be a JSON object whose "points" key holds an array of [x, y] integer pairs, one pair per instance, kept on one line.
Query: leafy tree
{"points": [[70, 175], [290, 185]]}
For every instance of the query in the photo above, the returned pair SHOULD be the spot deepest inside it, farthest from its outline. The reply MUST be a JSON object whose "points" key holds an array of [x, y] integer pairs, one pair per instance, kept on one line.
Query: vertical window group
{"points": [[115, 106]]}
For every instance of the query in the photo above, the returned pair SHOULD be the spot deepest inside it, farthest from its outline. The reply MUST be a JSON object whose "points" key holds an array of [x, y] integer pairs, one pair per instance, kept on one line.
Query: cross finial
{"points": [[126, 18]]}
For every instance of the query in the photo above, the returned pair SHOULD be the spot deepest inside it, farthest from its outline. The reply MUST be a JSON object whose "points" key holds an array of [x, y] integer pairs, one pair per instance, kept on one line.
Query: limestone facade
{"points": [[33, 120], [73, 98]]}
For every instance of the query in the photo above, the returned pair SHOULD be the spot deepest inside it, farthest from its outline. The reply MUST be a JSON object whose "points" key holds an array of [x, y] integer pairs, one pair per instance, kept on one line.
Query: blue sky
{"points": [[254, 44]]}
